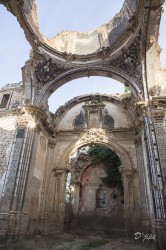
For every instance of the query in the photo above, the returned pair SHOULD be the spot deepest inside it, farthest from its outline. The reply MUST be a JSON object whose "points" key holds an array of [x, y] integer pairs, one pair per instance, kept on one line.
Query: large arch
{"points": [[112, 144], [128, 171], [105, 71]]}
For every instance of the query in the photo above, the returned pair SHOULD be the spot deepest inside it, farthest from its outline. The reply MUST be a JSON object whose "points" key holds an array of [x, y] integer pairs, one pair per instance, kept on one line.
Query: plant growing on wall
{"points": [[127, 89], [100, 153]]}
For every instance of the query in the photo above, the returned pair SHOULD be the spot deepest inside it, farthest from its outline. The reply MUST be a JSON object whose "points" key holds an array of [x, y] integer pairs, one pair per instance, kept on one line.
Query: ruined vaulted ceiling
{"points": [[117, 49], [106, 39]]}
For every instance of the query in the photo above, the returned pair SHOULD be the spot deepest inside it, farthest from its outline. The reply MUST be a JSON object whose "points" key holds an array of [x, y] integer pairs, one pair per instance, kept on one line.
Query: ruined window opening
{"points": [[4, 101], [101, 199], [68, 188]]}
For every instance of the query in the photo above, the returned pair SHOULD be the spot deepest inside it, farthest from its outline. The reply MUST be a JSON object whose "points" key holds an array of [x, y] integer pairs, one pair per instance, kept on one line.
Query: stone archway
{"points": [[127, 170], [92, 203], [69, 75]]}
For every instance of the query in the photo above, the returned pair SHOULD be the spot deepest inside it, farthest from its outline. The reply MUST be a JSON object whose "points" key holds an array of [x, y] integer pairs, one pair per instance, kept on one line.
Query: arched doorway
{"points": [[96, 190]]}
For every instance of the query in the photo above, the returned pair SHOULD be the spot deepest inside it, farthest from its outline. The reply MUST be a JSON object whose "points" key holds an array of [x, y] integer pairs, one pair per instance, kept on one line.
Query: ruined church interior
{"points": [[97, 165]]}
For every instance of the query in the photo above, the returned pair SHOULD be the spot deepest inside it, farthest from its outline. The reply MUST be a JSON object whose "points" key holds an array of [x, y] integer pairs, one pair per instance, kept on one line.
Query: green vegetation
{"points": [[100, 99], [127, 89], [100, 153]]}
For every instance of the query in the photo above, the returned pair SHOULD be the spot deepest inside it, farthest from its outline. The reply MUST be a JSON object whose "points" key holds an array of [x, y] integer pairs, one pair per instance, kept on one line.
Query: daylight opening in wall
{"points": [[83, 86], [56, 16]]}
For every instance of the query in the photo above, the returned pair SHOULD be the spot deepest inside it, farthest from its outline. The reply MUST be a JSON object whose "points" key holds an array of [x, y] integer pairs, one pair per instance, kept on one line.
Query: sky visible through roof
{"points": [[55, 16]]}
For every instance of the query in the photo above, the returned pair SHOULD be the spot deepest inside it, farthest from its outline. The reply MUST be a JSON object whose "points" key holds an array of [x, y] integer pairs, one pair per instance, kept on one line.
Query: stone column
{"points": [[57, 200], [32, 195], [127, 177], [44, 201], [144, 186]]}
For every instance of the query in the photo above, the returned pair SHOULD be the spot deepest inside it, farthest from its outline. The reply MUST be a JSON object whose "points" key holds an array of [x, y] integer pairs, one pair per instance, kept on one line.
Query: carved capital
{"points": [[58, 172]]}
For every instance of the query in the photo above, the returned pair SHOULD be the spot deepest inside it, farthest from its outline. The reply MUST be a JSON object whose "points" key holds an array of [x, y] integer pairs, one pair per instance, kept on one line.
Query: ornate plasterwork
{"points": [[94, 135], [130, 61], [46, 71]]}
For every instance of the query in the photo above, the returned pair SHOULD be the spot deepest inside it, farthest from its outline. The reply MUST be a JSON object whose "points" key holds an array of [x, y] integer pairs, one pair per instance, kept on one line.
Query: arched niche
{"points": [[118, 110]]}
